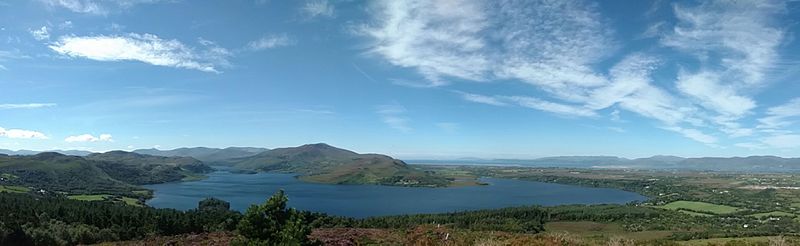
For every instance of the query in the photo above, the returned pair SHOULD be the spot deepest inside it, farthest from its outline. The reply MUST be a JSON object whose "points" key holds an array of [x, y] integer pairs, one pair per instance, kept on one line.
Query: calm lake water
{"points": [[241, 190]]}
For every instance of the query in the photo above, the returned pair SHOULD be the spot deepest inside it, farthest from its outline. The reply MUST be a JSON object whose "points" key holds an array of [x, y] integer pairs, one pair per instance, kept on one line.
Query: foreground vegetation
{"points": [[53, 220], [49, 202]]}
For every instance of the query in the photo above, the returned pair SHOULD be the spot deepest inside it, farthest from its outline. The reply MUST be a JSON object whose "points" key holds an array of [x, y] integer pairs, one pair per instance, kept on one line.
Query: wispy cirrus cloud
{"points": [[26, 105], [89, 138], [781, 115], [22, 134], [270, 41], [736, 43], [555, 46], [495, 101], [318, 8], [693, 134], [40, 33], [547, 106], [147, 48], [95, 7], [393, 115]]}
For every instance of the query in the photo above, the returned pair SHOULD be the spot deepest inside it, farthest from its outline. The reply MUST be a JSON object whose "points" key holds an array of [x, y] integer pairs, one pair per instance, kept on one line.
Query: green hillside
{"points": [[147, 169], [111, 173], [207, 155], [327, 164], [56, 172]]}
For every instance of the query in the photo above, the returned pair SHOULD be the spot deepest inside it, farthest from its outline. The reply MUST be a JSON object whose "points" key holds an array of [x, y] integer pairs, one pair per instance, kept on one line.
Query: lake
{"points": [[360, 201]]}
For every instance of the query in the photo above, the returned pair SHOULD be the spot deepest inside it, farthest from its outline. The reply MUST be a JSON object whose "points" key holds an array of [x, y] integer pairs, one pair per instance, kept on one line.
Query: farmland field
{"points": [[702, 207]]}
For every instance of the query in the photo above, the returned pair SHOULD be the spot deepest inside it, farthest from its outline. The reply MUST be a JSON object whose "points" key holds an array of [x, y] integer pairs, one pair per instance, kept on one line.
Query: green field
{"points": [[731, 241], [131, 201], [702, 207], [14, 189], [600, 232], [106, 197], [101, 197]]}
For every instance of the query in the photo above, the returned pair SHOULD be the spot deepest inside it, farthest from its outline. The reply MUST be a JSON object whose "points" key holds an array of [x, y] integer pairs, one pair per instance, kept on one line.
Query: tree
{"points": [[213, 204], [272, 223]]}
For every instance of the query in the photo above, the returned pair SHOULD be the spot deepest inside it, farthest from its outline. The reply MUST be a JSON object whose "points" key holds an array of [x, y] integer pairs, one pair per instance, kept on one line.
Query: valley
{"points": [[682, 206]]}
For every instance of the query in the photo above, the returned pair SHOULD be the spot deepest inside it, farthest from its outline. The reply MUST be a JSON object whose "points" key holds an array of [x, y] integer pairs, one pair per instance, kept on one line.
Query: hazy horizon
{"points": [[414, 80]]}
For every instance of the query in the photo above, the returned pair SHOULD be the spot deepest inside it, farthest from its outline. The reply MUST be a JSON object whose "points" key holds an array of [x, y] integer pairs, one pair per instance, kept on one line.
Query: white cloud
{"points": [[786, 141], [693, 134], [270, 41], [65, 25], [318, 8], [706, 88], [736, 44], [545, 43], [739, 31], [19, 133], [40, 34], [89, 138], [95, 7], [482, 99], [26, 105], [393, 115], [562, 109], [616, 129], [147, 48], [556, 47], [781, 115]]}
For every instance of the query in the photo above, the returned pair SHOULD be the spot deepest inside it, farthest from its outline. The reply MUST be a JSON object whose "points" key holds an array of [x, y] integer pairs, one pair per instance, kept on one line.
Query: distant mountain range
{"points": [[208, 155], [239, 157], [32, 152], [659, 162]]}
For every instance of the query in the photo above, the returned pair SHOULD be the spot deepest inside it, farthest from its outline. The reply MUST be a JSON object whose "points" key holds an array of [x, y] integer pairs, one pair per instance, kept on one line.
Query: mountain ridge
{"points": [[324, 163]]}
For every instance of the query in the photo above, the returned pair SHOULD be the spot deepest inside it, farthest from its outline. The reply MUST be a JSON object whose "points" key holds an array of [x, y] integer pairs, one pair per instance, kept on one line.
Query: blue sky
{"points": [[414, 79]]}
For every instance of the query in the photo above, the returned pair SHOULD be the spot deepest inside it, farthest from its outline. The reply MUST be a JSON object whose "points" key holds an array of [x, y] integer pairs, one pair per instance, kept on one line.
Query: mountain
{"points": [[327, 164], [57, 172], [743, 164], [660, 162], [140, 169], [208, 155], [33, 152]]}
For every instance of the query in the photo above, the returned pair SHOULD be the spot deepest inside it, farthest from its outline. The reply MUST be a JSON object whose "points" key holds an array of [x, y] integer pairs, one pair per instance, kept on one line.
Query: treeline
{"points": [[35, 220], [39, 220], [518, 219]]}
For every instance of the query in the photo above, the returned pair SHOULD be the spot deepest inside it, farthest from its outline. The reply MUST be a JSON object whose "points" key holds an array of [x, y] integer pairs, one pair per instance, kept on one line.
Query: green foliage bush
{"points": [[272, 223]]}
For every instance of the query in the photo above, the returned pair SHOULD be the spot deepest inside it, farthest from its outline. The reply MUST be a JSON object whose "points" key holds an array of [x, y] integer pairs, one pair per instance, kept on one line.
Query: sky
{"points": [[412, 79]]}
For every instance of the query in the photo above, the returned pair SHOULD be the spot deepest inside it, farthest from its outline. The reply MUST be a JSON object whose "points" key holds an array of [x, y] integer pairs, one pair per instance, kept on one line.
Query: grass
{"points": [[773, 214], [141, 192], [725, 241], [14, 189], [131, 201], [101, 197], [702, 207], [601, 232]]}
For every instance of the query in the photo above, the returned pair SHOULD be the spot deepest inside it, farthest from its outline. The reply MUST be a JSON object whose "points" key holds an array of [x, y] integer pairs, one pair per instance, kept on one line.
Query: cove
{"points": [[360, 201]]}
